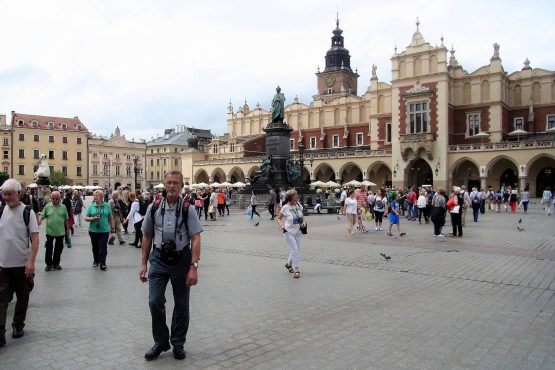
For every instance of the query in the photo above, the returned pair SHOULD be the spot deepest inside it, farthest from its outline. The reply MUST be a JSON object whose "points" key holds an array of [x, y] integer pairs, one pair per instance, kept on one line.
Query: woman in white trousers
{"points": [[290, 220]]}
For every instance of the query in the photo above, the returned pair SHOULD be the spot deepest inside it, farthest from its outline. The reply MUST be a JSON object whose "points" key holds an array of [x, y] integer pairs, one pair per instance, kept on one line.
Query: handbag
{"points": [[211, 209], [455, 209], [304, 229]]}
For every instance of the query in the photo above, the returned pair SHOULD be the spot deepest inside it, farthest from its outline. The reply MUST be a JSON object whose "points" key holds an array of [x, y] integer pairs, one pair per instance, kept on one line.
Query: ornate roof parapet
{"points": [[418, 89], [526, 65]]}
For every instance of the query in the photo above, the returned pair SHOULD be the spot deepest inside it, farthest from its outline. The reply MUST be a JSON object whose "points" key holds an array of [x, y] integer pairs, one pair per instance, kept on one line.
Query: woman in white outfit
{"points": [[290, 219]]}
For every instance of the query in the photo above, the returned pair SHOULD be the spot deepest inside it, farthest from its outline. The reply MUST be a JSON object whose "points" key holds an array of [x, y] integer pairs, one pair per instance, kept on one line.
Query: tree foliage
{"points": [[57, 178], [3, 177]]}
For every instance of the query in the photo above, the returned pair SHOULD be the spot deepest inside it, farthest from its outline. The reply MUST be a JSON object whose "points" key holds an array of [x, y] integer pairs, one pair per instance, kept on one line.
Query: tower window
{"points": [[418, 118]]}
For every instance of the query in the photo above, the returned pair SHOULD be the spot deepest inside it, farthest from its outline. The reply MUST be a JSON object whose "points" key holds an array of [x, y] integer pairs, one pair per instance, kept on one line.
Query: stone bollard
{"points": [[241, 201]]}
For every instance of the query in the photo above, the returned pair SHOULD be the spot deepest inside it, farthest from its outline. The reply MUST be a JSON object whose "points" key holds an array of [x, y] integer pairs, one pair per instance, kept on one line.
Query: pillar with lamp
{"points": [[301, 162], [137, 170]]}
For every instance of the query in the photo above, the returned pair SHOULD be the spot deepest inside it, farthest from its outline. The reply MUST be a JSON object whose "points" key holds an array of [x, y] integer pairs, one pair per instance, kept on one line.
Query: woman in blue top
{"points": [[101, 222], [393, 210]]}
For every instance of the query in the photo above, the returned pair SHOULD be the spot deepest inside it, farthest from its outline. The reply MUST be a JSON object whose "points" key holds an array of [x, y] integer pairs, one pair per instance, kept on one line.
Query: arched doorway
{"points": [[466, 172], [351, 171], [201, 176], [324, 173], [379, 173], [509, 177], [218, 175], [545, 178], [236, 174], [419, 173]]}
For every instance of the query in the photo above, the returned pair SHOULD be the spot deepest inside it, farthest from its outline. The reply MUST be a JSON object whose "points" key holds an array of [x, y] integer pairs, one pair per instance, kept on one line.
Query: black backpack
{"points": [[26, 214], [142, 207], [184, 213]]}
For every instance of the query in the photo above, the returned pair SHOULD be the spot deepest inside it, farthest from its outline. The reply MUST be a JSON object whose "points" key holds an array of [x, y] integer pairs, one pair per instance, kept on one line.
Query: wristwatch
{"points": [[195, 264]]}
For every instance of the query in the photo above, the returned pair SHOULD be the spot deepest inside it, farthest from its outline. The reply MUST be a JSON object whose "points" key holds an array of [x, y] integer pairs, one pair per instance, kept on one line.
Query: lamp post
{"points": [[301, 161], [136, 170]]}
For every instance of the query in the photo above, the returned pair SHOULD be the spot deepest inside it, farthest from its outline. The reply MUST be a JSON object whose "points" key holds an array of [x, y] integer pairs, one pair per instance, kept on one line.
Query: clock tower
{"points": [[337, 77]]}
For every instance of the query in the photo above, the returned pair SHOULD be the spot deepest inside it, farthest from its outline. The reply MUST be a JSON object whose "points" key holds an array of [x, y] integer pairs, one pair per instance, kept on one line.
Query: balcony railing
{"points": [[504, 145], [412, 138]]}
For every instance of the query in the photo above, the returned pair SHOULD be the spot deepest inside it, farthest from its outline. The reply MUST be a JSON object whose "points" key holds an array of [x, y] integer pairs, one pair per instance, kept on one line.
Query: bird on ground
{"points": [[519, 228], [385, 256], [520, 221]]}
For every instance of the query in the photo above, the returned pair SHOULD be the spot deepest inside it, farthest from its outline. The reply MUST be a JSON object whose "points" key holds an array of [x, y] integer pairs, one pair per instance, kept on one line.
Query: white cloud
{"points": [[145, 65]]}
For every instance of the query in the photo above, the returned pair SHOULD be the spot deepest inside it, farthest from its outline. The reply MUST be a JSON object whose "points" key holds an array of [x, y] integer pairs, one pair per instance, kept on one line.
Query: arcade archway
{"points": [[201, 176], [540, 174], [502, 171], [236, 174], [351, 171], [379, 173], [544, 179], [466, 172], [418, 173], [324, 172], [218, 175]]}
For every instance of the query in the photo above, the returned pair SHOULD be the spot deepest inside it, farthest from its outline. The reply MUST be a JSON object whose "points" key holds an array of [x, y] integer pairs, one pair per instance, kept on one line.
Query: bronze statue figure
{"points": [[278, 106]]}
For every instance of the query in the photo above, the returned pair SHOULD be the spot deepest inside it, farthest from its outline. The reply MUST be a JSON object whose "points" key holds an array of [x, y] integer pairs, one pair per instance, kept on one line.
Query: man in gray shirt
{"points": [[17, 260], [171, 243], [272, 202]]}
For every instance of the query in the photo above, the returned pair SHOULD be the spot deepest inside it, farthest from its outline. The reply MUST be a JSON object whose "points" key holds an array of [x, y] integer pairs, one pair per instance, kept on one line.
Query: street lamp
{"points": [[137, 170], [301, 161]]}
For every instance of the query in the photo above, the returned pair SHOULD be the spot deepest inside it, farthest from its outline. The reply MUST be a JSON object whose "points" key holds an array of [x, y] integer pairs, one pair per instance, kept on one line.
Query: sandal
{"points": [[297, 275], [289, 267]]}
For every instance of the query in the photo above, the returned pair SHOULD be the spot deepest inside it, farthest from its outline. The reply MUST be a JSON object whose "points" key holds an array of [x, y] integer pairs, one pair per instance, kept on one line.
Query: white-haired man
{"points": [[17, 260]]}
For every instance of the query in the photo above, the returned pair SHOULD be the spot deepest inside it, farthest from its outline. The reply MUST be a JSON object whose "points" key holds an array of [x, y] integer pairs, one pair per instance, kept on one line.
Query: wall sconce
{"points": [[522, 168], [395, 169], [394, 172], [437, 168]]}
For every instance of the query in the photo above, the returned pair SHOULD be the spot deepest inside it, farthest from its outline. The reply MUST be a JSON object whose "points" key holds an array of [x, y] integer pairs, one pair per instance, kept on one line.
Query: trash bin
{"points": [[241, 202]]}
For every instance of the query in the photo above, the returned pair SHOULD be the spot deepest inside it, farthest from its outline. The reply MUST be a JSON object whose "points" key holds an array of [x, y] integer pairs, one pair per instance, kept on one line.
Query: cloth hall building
{"points": [[435, 123]]}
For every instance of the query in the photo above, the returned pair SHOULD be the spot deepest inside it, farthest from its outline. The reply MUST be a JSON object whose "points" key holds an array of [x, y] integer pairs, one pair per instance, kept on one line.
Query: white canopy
{"points": [[92, 187], [368, 183], [226, 184], [215, 184], [317, 183], [332, 184], [32, 185], [159, 186], [78, 187], [354, 183], [238, 184]]}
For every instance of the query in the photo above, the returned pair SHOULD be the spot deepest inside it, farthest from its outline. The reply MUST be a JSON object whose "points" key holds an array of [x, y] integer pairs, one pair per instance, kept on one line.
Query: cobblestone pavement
{"points": [[484, 301]]}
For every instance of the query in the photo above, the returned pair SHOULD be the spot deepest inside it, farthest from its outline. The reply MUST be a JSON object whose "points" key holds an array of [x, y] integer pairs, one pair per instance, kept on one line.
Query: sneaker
{"points": [[381, 229], [17, 333], [57, 267], [440, 235], [48, 268], [103, 267], [95, 264], [389, 234], [375, 229], [256, 224]]}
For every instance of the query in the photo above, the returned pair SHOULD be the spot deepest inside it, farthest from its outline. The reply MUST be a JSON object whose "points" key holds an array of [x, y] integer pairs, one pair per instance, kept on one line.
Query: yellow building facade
{"points": [[116, 161], [6, 137], [62, 140], [434, 123]]}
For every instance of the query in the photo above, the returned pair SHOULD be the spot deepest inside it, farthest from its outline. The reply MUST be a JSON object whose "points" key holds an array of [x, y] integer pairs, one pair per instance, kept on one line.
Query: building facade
{"points": [[434, 123], [116, 161], [62, 140], [6, 133]]}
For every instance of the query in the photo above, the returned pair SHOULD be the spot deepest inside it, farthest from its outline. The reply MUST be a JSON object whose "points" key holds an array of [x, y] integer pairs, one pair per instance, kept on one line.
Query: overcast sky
{"points": [[145, 65]]}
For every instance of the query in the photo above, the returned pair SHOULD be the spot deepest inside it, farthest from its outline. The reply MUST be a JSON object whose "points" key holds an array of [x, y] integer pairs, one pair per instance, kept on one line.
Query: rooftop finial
{"points": [[441, 41], [417, 24], [337, 20]]}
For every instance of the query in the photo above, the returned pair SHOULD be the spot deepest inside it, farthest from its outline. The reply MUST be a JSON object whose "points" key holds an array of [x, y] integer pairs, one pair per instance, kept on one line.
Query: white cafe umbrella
{"points": [[481, 134], [368, 183], [239, 184], [317, 183], [32, 185], [226, 184], [159, 186], [354, 183], [202, 185], [215, 185], [518, 133], [332, 184], [78, 187]]}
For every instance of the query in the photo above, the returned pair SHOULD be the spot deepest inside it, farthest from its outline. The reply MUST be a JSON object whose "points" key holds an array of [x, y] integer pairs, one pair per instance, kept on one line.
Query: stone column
{"points": [[483, 182]]}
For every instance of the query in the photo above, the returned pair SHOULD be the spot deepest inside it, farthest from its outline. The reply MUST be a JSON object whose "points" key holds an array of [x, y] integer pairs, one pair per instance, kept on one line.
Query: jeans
{"points": [[158, 276], [475, 211], [138, 232], [54, 246], [99, 243], [13, 280]]}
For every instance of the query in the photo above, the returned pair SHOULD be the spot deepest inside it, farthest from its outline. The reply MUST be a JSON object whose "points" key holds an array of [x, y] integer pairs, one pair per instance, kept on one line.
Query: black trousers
{"points": [[456, 221], [138, 232], [13, 280], [54, 246], [206, 211], [271, 209], [438, 218], [158, 276], [99, 243]]}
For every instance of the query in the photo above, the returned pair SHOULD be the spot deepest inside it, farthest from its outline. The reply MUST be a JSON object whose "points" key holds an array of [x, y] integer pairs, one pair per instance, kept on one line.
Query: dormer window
{"points": [[20, 122], [63, 126], [78, 127], [34, 123], [50, 124]]}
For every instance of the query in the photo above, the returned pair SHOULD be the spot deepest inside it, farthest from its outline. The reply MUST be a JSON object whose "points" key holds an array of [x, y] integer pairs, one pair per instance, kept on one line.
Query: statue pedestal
{"points": [[278, 145]]}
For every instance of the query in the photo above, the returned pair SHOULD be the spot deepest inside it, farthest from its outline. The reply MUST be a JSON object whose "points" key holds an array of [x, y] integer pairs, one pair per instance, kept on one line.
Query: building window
{"points": [[78, 127], [106, 170], [50, 139], [117, 170], [152, 162], [291, 144], [79, 172], [151, 175], [6, 142], [36, 154], [95, 155], [20, 122], [388, 132], [34, 123], [64, 170], [5, 168], [313, 142], [175, 162], [21, 153], [128, 156], [335, 141], [50, 154], [128, 170], [360, 139], [418, 118], [472, 124], [50, 124], [21, 170], [551, 122], [330, 90], [175, 150], [105, 155], [117, 156], [79, 158], [157, 150], [215, 149], [64, 155], [51, 168], [6, 154], [231, 147], [95, 169], [165, 162], [519, 123], [78, 140], [21, 137], [157, 161], [157, 174], [64, 139], [35, 137], [165, 149], [63, 126]]}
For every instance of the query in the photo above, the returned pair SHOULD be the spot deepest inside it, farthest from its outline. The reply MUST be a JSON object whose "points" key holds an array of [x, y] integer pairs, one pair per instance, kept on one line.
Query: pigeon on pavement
{"points": [[385, 256]]}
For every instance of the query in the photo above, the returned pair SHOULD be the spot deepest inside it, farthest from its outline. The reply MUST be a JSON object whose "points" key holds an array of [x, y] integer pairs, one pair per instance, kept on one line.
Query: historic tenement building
{"points": [[116, 160], [62, 140], [6, 137], [434, 123]]}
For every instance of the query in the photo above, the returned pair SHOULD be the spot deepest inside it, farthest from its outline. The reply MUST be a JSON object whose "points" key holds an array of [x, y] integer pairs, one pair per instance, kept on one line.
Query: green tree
{"points": [[3, 177], [57, 178]]}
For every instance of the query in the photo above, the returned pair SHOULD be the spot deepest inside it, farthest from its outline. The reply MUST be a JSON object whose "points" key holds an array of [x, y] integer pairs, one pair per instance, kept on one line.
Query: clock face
{"points": [[330, 80]]}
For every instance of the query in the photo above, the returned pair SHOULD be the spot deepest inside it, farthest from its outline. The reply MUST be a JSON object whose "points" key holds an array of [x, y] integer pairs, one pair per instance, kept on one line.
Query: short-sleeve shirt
{"points": [[380, 203], [14, 248], [165, 225], [104, 211], [351, 206], [55, 219], [292, 217]]}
